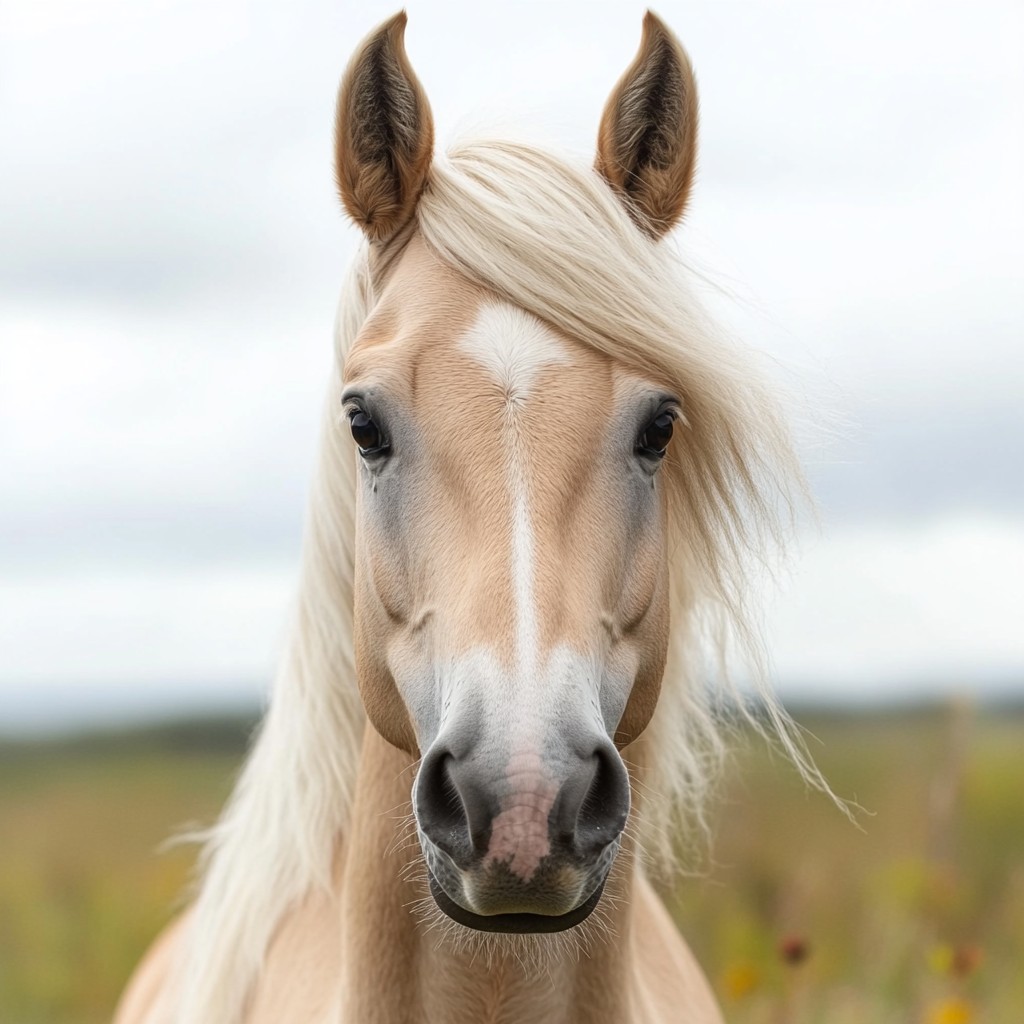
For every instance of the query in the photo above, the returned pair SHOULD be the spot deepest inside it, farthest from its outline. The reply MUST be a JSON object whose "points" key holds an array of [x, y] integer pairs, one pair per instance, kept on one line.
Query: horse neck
{"points": [[401, 965]]}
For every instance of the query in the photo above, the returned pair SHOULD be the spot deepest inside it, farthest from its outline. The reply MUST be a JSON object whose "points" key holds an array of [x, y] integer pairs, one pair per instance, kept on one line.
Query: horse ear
{"points": [[383, 134], [647, 142]]}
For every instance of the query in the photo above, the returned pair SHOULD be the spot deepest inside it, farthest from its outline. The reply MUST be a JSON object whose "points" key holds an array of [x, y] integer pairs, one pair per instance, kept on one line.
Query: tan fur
{"points": [[407, 348], [647, 142]]}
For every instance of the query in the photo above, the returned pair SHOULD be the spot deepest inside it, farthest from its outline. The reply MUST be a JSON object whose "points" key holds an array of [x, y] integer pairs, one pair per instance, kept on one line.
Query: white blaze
{"points": [[515, 347]]}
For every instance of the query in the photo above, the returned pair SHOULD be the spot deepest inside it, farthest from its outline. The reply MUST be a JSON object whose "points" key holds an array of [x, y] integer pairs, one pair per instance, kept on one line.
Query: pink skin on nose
{"points": [[519, 834]]}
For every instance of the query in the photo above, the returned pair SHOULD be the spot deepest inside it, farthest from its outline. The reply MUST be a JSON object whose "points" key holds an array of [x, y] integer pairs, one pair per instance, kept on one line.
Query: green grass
{"points": [[83, 889], [936, 867]]}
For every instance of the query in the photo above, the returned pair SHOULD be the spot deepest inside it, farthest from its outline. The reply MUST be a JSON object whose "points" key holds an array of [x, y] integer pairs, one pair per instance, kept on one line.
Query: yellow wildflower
{"points": [[740, 979], [951, 1011]]}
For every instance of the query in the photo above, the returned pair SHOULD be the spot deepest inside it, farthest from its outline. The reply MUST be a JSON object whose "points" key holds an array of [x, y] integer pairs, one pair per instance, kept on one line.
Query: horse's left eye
{"points": [[366, 434], [654, 440]]}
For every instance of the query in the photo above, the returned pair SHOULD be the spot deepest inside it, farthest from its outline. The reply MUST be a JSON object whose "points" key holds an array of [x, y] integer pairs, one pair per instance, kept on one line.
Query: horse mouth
{"points": [[517, 924]]}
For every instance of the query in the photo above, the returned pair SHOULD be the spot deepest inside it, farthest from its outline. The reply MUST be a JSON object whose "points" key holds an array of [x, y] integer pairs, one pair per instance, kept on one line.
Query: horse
{"points": [[545, 481]]}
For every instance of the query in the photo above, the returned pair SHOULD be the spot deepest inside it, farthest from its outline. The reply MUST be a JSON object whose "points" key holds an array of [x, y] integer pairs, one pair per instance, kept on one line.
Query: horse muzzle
{"points": [[522, 843]]}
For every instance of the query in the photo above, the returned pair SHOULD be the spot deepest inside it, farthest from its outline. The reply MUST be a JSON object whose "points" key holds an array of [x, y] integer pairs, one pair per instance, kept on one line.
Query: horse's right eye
{"points": [[367, 434]]}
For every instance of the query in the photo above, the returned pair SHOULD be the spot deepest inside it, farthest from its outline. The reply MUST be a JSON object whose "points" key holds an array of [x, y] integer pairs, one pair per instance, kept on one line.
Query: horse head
{"points": [[511, 614]]}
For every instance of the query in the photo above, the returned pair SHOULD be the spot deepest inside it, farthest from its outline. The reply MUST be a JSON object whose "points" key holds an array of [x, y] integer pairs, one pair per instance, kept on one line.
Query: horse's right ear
{"points": [[383, 134]]}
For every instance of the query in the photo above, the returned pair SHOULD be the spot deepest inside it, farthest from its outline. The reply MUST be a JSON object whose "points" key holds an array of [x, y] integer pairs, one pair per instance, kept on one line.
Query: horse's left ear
{"points": [[383, 134], [647, 143]]}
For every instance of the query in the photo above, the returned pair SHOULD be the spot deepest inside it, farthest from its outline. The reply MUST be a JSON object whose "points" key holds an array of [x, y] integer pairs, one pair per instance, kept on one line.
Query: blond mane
{"points": [[552, 238]]}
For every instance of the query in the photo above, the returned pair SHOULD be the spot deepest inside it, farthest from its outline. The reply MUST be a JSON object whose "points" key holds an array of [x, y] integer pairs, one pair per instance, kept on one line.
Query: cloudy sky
{"points": [[171, 250]]}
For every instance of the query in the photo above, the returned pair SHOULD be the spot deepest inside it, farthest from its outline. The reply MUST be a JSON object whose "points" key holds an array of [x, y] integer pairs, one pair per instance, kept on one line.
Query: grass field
{"points": [[917, 917]]}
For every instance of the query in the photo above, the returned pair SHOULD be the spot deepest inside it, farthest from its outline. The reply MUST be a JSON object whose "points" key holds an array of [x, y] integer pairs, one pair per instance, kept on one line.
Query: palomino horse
{"points": [[537, 457]]}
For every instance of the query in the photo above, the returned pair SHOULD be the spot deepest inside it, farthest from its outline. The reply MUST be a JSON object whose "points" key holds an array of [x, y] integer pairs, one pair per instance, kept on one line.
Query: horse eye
{"points": [[366, 434], [654, 440]]}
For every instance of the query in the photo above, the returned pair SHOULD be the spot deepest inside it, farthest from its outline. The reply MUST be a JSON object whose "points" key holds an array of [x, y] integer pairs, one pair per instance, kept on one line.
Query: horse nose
{"points": [[593, 803], [469, 813]]}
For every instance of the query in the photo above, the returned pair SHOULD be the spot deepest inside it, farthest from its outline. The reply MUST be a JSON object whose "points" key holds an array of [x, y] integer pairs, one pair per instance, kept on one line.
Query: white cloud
{"points": [[117, 644], [879, 610]]}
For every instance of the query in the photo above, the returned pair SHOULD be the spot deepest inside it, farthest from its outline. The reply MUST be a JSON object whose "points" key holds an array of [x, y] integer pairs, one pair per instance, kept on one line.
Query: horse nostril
{"points": [[438, 807], [601, 815], [452, 810]]}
